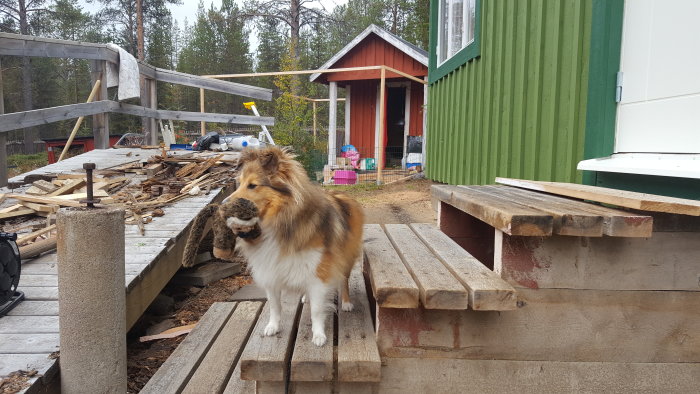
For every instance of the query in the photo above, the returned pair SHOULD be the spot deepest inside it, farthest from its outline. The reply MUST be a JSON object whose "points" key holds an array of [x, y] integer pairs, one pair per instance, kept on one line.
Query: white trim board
{"points": [[660, 164], [421, 57]]}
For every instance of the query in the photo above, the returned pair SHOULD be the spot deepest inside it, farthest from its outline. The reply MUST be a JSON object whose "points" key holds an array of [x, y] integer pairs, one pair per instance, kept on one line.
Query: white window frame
{"points": [[466, 19]]}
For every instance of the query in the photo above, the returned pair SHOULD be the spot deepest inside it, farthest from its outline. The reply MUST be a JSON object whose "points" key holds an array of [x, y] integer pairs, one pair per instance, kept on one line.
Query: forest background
{"points": [[290, 35]]}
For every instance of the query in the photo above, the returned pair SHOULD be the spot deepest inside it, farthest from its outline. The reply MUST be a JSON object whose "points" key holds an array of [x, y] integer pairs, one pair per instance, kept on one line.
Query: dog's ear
{"points": [[270, 160], [248, 155]]}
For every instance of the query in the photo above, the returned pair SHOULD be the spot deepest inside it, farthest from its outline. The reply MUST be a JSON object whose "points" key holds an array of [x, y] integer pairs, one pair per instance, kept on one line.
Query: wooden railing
{"points": [[99, 55]]}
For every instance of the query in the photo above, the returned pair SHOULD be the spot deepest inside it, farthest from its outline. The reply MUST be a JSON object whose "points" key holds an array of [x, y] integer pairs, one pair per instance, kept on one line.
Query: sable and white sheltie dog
{"points": [[309, 239]]}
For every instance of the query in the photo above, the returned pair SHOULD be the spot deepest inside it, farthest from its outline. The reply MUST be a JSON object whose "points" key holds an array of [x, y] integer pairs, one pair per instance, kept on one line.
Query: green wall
{"points": [[519, 109]]}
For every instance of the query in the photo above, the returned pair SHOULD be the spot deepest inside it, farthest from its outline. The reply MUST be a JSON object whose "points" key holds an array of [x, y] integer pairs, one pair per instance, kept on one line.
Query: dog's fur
{"points": [[309, 239]]}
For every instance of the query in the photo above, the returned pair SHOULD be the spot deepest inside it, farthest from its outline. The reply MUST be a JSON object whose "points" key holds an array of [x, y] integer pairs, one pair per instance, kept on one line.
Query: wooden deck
{"points": [[29, 334]]}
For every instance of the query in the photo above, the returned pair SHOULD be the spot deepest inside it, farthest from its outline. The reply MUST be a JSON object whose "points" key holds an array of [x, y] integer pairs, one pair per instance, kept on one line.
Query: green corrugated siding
{"points": [[518, 110]]}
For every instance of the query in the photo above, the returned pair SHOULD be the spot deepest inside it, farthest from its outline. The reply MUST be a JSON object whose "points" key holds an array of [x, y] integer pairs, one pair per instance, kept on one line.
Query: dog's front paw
{"points": [[319, 339], [347, 306], [273, 328]]}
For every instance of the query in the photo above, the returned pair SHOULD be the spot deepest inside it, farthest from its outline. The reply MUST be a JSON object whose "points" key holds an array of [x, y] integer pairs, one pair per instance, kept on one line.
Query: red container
{"points": [[343, 177], [87, 143]]}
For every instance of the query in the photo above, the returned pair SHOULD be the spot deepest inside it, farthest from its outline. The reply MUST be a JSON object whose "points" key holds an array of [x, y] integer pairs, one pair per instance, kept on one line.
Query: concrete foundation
{"points": [[92, 314]]}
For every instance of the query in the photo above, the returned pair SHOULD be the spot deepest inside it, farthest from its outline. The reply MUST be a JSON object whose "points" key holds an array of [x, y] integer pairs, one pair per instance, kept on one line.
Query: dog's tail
{"points": [[200, 221]]}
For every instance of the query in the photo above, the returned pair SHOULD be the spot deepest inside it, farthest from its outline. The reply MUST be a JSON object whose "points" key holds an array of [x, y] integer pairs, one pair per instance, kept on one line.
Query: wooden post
{"points": [[152, 86], [382, 125], [425, 124], [100, 122], [333, 106], [203, 126], [3, 139], [347, 114], [313, 105]]}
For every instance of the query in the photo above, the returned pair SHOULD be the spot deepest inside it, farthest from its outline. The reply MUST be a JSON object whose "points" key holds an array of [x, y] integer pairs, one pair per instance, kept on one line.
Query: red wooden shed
{"points": [[404, 99]]}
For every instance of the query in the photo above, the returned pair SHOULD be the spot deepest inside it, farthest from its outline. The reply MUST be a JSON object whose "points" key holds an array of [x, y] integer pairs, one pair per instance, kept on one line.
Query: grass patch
{"points": [[18, 164]]}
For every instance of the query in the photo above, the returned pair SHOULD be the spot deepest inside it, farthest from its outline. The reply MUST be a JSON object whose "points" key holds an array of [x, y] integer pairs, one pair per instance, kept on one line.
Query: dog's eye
{"points": [[252, 186]]}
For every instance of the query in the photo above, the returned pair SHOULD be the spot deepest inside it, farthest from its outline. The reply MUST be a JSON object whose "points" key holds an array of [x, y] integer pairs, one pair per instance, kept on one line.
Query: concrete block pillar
{"points": [[92, 299]]}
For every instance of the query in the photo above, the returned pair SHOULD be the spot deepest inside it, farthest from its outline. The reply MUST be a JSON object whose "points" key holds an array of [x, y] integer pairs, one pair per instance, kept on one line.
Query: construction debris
{"points": [[143, 188]]}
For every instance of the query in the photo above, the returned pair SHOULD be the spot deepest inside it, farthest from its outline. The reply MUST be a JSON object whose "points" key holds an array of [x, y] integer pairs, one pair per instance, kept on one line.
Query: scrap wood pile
{"points": [[142, 188]]}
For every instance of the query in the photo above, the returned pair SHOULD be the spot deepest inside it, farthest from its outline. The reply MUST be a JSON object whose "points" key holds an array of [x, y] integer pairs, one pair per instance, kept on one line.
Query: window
{"points": [[455, 27], [454, 35]]}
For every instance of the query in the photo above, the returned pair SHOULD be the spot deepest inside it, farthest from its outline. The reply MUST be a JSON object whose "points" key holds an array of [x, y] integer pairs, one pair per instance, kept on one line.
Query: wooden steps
{"points": [[227, 351], [418, 264]]}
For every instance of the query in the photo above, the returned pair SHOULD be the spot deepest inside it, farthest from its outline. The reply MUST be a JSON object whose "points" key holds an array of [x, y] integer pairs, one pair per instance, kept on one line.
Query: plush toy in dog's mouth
{"points": [[242, 217]]}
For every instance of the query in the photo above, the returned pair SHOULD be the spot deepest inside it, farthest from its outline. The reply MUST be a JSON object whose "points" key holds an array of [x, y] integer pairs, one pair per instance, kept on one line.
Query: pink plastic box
{"points": [[343, 177]]}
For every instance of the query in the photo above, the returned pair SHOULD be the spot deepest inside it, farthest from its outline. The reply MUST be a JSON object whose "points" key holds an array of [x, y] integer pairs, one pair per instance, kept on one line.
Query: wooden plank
{"points": [[213, 84], [38, 280], [358, 356], [172, 376], [666, 261], [267, 357], [46, 200], [35, 308], [510, 218], [438, 288], [28, 343], [215, 370], [236, 385], [392, 284], [68, 186], [136, 110], [566, 220], [28, 324], [623, 198], [413, 375], [487, 291], [37, 117], [553, 325], [22, 45], [311, 363], [40, 293], [14, 362], [616, 223], [18, 212]]}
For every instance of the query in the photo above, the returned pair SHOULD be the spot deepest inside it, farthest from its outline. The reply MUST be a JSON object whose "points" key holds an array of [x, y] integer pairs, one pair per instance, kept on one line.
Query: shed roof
{"points": [[418, 54]]}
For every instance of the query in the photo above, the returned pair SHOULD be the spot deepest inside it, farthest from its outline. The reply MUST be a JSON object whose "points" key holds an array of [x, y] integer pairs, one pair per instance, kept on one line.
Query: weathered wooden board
{"points": [[311, 363], [567, 220], [35, 308], [236, 385], [392, 284], [666, 261], [28, 343], [439, 289], [267, 357], [616, 223], [29, 325], [554, 325], [14, 362], [40, 293], [18, 120], [172, 376], [623, 198], [38, 280], [137, 110], [214, 371], [487, 291], [499, 213], [358, 356], [310, 387], [445, 376]]}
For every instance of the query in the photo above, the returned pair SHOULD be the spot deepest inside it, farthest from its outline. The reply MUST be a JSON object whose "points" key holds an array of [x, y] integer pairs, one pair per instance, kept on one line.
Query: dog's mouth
{"points": [[250, 235]]}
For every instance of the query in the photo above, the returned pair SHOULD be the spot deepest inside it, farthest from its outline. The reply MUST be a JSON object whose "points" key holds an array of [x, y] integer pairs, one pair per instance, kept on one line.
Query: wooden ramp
{"points": [[228, 353], [29, 334]]}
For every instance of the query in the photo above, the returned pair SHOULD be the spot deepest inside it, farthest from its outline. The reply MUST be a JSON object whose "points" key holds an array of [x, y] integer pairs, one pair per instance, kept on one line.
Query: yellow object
{"points": [[249, 104]]}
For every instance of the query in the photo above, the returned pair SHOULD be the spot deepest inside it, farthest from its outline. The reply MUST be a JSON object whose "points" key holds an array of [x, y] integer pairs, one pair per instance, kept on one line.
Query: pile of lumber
{"points": [[143, 188]]}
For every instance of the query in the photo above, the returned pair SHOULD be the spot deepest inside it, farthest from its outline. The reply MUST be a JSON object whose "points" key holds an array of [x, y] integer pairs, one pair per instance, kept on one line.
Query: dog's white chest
{"points": [[272, 270]]}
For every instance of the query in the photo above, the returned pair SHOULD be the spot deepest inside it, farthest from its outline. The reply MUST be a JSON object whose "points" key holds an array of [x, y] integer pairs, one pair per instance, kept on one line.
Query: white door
{"points": [[659, 109]]}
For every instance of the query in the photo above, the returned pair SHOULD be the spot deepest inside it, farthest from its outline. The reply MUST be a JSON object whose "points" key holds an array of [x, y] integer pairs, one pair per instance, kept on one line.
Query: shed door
{"points": [[660, 63]]}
